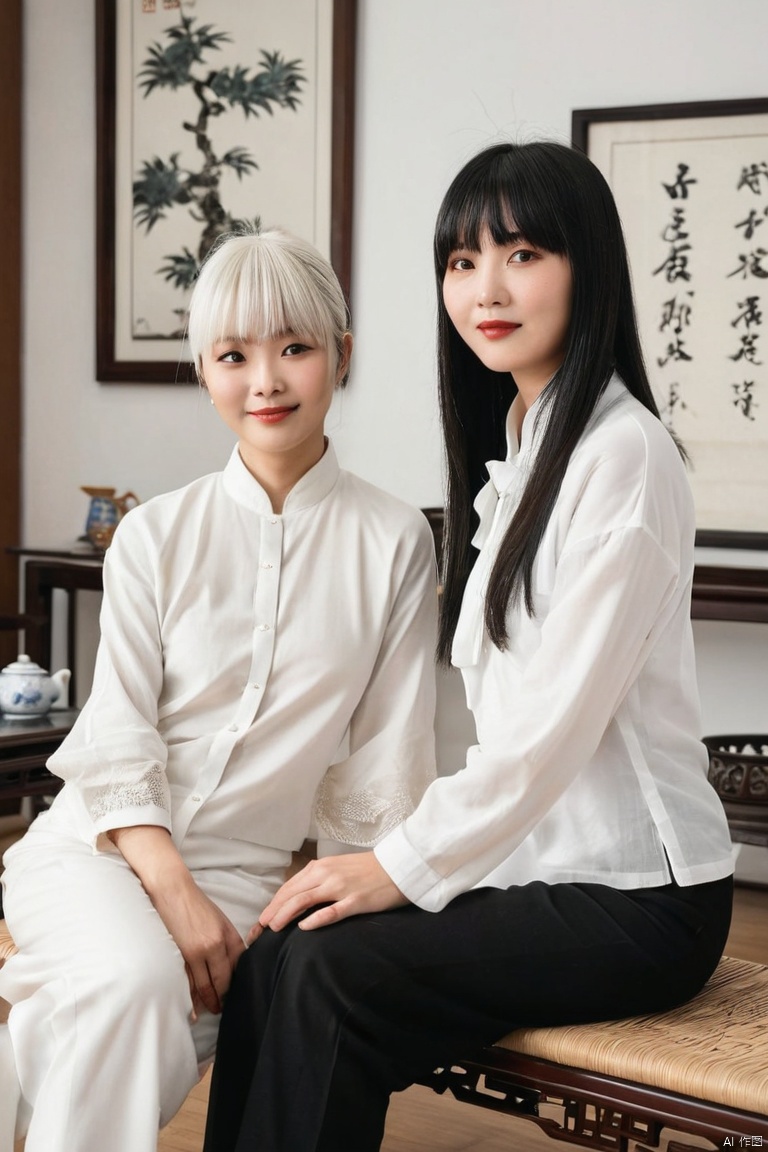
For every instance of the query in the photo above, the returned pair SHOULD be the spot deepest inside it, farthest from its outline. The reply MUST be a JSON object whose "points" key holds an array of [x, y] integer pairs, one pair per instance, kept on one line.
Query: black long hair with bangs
{"points": [[555, 198]]}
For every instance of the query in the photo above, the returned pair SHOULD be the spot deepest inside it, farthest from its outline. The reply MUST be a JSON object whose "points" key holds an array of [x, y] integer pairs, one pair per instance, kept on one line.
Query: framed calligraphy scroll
{"points": [[211, 114], [691, 185]]}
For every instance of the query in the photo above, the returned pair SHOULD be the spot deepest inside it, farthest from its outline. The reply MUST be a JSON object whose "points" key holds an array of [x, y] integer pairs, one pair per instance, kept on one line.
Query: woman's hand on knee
{"points": [[208, 941], [206, 938], [343, 885]]}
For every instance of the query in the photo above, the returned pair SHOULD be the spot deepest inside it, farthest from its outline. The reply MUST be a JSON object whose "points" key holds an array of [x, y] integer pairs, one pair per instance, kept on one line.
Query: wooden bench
{"points": [[7, 946], [700, 1070]]}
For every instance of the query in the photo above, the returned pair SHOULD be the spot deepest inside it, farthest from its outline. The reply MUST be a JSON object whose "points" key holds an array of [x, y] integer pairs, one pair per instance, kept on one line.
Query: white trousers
{"points": [[100, 1021]]}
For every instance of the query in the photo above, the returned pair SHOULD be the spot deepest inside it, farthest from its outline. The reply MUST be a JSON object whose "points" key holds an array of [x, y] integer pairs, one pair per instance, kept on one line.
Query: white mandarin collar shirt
{"points": [[589, 764], [258, 672], [313, 486]]}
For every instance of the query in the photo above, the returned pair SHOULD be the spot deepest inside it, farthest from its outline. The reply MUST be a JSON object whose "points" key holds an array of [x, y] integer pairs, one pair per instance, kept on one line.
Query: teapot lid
{"points": [[25, 666]]}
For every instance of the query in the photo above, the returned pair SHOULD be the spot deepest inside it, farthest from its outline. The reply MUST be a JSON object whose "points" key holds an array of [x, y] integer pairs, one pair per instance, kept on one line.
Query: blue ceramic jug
{"points": [[104, 512]]}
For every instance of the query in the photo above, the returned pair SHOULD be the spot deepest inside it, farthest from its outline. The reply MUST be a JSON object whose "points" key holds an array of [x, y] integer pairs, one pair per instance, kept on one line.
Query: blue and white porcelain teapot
{"points": [[27, 690]]}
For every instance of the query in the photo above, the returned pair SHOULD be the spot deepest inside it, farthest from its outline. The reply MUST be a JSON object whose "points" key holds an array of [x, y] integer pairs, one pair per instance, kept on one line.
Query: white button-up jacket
{"points": [[258, 672]]}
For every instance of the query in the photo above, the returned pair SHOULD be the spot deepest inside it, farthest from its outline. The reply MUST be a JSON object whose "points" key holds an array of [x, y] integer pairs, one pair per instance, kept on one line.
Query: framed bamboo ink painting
{"points": [[211, 114]]}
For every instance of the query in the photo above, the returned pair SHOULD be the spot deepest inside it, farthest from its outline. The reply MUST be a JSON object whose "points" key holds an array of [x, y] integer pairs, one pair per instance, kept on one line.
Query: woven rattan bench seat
{"points": [[699, 1070], [714, 1048]]}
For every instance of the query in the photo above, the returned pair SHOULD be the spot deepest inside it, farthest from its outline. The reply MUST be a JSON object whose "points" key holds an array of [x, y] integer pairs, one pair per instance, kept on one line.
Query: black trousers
{"points": [[320, 1027]]}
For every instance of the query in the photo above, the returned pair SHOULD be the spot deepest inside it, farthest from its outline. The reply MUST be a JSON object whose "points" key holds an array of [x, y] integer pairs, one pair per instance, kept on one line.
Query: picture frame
{"points": [[691, 184], [272, 137]]}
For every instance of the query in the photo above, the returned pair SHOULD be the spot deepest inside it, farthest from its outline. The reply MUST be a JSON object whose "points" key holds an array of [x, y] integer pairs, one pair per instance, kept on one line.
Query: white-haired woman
{"points": [[265, 667]]}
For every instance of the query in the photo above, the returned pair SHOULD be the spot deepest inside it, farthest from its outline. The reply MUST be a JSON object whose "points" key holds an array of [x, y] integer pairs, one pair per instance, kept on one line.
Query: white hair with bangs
{"points": [[260, 285]]}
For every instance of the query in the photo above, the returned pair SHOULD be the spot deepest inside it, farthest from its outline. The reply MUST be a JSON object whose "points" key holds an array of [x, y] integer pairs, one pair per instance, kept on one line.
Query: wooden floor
{"points": [[418, 1121]]}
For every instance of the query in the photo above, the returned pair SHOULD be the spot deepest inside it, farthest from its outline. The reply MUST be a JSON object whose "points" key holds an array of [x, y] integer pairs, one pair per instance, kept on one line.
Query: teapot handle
{"points": [[122, 501]]}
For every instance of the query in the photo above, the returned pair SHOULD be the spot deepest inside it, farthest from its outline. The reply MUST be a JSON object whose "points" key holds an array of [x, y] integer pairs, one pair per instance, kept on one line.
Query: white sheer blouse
{"points": [[589, 764]]}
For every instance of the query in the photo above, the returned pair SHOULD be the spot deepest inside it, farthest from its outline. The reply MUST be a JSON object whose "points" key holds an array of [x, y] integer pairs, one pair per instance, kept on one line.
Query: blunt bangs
{"points": [[261, 286], [509, 192]]}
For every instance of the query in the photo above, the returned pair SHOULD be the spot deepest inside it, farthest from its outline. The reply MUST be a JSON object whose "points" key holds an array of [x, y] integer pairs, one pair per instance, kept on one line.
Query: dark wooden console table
{"points": [[70, 570], [730, 594], [25, 746], [719, 593]]}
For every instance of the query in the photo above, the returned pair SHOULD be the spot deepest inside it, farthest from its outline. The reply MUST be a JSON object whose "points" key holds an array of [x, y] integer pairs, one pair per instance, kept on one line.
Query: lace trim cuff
{"points": [[363, 818], [149, 791]]}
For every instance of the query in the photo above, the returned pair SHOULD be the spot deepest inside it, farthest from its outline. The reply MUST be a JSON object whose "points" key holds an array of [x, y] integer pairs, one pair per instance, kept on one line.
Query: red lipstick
{"points": [[273, 415], [497, 329]]}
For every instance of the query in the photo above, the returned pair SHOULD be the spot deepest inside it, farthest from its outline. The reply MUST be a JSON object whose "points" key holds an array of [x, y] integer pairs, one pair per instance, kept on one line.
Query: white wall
{"points": [[437, 80]]}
